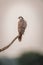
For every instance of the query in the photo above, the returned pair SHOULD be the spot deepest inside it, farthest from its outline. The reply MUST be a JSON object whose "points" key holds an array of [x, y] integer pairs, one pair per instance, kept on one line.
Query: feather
{"points": [[20, 37]]}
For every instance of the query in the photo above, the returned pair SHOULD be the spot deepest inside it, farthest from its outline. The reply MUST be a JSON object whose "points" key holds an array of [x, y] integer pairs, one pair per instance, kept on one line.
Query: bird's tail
{"points": [[20, 37]]}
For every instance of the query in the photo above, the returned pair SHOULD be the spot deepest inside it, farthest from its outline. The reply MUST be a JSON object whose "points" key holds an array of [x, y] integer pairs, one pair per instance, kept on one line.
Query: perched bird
{"points": [[21, 27]]}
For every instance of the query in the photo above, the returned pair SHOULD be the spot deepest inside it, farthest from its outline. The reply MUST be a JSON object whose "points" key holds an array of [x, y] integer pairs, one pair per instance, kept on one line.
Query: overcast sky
{"points": [[32, 11]]}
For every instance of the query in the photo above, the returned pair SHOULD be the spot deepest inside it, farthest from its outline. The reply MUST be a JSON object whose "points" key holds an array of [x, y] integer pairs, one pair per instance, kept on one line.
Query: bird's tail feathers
{"points": [[20, 37]]}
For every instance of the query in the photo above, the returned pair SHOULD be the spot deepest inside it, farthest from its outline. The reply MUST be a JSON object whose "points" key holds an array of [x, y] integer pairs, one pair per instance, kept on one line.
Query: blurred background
{"points": [[32, 41]]}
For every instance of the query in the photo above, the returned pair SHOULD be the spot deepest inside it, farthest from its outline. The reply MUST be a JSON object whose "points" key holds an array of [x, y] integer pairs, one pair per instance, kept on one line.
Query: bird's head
{"points": [[20, 17]]}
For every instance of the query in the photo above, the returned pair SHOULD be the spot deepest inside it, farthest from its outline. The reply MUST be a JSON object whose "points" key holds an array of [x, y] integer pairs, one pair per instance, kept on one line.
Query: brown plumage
{"points": [[21, 27], [20, 37]]}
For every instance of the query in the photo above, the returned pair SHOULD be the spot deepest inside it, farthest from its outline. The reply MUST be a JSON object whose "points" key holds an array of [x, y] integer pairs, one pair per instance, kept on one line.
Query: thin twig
{"points": [[6, 47]]}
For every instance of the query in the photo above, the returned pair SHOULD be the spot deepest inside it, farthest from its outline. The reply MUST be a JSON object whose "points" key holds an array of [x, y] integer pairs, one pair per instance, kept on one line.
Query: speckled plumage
{"points": [[21, 27]]}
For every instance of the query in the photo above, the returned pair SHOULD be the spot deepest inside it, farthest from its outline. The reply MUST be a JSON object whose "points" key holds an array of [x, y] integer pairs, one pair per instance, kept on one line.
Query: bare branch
{"points": [[6, 47]]}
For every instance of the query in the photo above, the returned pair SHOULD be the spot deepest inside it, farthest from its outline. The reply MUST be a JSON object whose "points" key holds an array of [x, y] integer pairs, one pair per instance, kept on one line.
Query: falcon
{"points": [[21, 27]]}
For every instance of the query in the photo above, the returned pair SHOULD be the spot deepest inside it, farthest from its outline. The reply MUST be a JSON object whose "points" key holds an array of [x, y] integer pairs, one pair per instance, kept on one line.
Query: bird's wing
{"points": [[20, 25], [24, 24]]}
